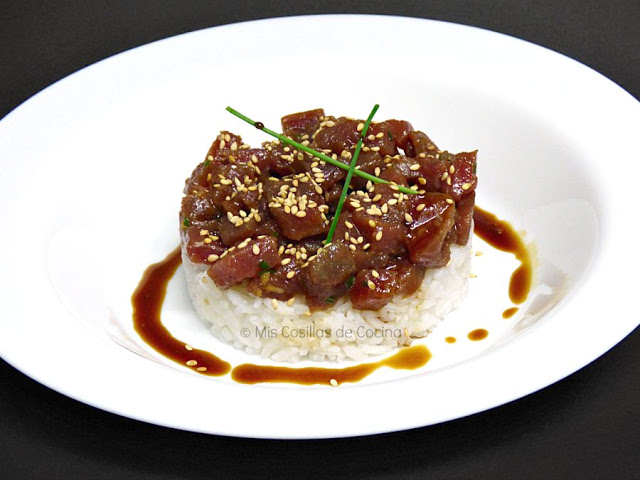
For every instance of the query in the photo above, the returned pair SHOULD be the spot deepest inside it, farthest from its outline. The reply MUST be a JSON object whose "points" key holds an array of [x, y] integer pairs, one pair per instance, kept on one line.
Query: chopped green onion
{"points": [[264, 265], [350, 281], [321, 156], [186, 222], [347, 181], [330, 299]]}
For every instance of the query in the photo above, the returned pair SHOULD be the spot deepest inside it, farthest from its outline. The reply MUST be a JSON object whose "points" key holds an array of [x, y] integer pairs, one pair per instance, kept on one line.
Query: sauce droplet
{"points": [[509, 312], [147, 303], [450, 339], [478, 334], [499, 234], [259, 125]]}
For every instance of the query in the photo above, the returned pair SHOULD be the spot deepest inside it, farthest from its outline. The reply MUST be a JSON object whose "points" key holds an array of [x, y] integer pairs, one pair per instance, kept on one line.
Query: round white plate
{"points": [[91, 180]]}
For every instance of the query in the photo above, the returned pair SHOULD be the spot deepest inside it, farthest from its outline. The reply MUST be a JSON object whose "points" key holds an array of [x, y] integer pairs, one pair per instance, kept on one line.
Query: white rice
{"points": [[289, 334]]}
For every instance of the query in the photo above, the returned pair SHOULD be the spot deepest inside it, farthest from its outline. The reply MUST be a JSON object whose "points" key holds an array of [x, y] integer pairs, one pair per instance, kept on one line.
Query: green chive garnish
{"points": [[321, 156], [186, 222], [264, 265], [352, 168]]}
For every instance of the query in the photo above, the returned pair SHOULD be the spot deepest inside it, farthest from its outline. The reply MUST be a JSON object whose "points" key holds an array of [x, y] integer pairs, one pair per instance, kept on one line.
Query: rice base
{"points": [[289, 333]]}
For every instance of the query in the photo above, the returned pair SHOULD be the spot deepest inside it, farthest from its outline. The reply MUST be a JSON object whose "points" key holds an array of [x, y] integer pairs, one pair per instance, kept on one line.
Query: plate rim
{"points": [[488, 357]]}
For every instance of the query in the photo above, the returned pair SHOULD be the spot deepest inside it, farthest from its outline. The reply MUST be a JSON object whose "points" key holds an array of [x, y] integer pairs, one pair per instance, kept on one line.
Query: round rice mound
{"points": [[289, 333]]}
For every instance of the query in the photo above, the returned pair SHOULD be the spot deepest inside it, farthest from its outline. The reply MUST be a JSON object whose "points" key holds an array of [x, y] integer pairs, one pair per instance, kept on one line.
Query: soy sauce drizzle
{"points": [[148, 298], [408, 358], [499, 234], [147, 303]]}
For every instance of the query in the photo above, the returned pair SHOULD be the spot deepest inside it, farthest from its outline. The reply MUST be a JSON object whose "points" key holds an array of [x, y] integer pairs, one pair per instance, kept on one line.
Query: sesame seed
{"points": [[408, 218], [448, 180], [414, 167], [371, 285], [378, 236], [201, 369], [274, 303], [213, 257], [420, 207], [301, 214], [466, 186], [204, 232], [444, 176], [478, 253], [348, 224], [192, 363], [375, 149], [188, 347], [352, 248], [449, 201], [379, 134], [256, 250], [222, 144], [291, 301], [366, 246], [375, 274], [372, 223], [207, 240], [234, 146], [371, 137], [452, 169], [285, 261], [422, 181], [360, 127], [333, 382]]}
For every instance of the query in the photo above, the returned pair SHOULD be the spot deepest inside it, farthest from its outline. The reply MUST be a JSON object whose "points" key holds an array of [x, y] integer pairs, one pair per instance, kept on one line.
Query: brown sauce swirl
{"points": [[148, 298], [147, 303], [499, 234], [408, 358]]}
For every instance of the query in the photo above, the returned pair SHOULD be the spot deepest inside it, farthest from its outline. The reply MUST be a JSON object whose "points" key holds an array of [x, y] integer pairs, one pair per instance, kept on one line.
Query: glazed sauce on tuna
{"points": [[499, 234], [147, 303], [408, 358]]}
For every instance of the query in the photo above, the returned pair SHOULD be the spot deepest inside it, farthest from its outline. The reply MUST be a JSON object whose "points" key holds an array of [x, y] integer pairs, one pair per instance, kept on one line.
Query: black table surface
{"points": [[586, 426]]}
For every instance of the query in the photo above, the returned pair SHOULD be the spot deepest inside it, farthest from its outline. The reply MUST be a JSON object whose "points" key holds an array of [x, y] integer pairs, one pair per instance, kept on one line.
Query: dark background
{"points": [[586, 426]]}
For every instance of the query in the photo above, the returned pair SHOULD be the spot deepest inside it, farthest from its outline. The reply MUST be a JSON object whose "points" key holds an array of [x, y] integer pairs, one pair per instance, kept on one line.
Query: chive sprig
{"points": [[319, 155]]}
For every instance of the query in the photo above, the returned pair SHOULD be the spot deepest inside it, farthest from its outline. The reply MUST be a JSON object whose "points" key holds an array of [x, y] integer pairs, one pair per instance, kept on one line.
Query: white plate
{"points": [[92, 171]]}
